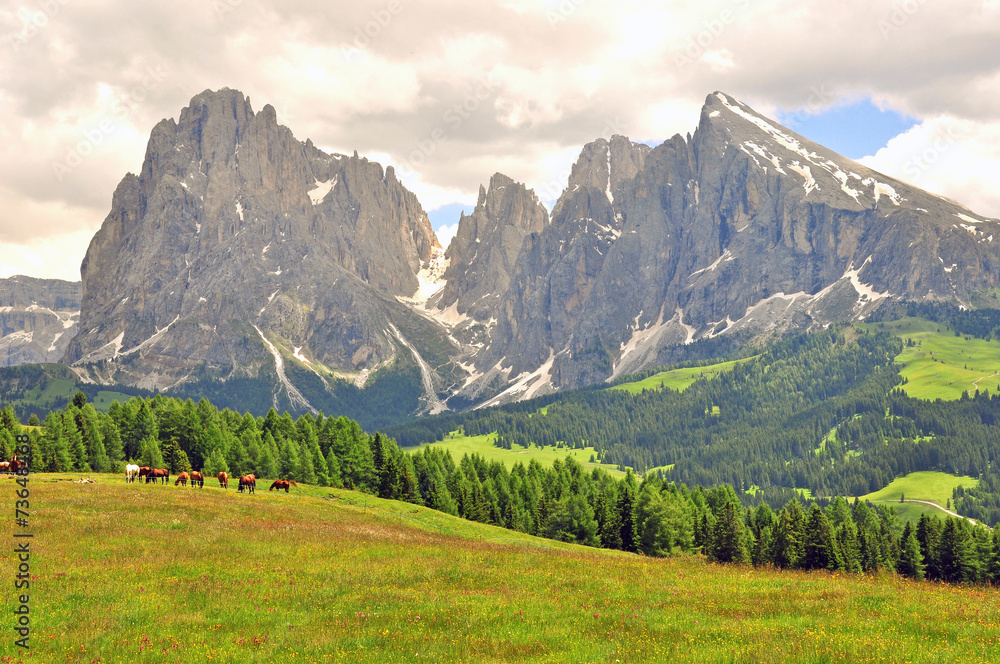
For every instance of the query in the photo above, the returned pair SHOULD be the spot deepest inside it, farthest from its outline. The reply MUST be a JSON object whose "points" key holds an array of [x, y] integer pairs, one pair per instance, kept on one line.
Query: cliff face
{"points": [[38, 317], [235, 235], [743, 226], [486, 246], [239, 250]]}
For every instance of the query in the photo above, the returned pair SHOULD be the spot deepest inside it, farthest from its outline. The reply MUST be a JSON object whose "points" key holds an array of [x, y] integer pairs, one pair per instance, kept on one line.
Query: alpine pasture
{"points": [[158, 573]]}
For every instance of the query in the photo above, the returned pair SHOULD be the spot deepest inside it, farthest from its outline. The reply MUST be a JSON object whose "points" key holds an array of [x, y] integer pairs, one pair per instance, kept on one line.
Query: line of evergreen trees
{"points": [[563, 502], [820, 411]]}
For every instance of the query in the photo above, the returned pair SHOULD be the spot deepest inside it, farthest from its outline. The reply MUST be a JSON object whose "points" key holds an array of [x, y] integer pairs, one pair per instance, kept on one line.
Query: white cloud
{"points": [[446, 233], [958, 159], [407, 87]]}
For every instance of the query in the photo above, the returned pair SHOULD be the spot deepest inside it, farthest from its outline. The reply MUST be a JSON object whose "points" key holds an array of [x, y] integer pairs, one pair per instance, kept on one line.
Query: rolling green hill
{"points": [[678, 379], [134, 573], [939, 363], [928, 486], [485, 446]]}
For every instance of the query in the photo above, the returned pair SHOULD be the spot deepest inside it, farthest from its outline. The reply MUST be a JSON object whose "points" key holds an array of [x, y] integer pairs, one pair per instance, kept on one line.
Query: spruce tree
{"points": [[626, 518], [929, 536], [955, 554], [729, 541], [820, 550], [911, 562]]}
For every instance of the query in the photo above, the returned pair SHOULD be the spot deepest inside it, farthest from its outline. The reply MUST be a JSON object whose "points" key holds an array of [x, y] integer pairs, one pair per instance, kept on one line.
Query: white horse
{"points": [[131, 473]]}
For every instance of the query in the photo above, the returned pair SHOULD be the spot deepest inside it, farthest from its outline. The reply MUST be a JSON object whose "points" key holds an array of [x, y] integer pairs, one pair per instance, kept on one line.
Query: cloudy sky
{"points": [[451, 91]]}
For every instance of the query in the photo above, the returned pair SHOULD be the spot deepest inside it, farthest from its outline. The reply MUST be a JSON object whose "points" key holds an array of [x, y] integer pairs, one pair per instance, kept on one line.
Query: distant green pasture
{"points": [[678, 379], [941, 365], [459, 445]]}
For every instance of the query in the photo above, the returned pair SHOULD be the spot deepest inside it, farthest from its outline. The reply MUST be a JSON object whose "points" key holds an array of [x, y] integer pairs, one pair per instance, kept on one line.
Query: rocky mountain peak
{"points": [[603, 165], [233, 223], [486, 245]]}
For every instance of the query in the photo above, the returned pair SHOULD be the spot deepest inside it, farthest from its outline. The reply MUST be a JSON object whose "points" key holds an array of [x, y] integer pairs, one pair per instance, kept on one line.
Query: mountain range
{"points": [[241, 255]]}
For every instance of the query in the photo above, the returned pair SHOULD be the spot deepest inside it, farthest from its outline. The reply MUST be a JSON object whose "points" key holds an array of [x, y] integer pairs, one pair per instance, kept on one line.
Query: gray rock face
{"points": [[38, 317], [744, 226], [233, 225], [486, 246], [238, 248]]}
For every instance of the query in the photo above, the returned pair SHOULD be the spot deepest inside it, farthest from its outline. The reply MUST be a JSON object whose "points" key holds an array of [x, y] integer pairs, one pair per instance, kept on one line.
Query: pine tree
{"points": [[333, 469], [848, 547], [788, 538], [929, 536], [911, 562], [820, 550], [729, 537], [305, 472], [237, 457], [215, 464], [627, 530], [150, 454], [320, 466], [955, 553]]}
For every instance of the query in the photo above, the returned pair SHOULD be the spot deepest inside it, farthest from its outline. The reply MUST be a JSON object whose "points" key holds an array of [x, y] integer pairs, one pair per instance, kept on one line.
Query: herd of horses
{"points": [[248, 483]]}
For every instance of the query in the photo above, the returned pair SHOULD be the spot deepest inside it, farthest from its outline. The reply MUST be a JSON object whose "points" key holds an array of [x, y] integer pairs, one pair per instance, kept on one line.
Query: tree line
{"points": [[564, 502], [821, 411]]}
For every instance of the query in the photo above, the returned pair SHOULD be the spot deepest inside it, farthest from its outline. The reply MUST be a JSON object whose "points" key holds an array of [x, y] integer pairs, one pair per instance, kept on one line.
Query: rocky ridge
{"points": [[38, 317], [240, 251]]}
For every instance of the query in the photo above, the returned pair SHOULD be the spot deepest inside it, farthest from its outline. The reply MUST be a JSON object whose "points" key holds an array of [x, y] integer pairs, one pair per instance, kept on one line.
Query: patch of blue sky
{"points": [[855, 130]]}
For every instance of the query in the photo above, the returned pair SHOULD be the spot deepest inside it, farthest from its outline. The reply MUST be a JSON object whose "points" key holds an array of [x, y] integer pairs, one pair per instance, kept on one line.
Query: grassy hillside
{"points": [[928, 486], [941, 365], [134, 573], [678, 379], [459, 445]]}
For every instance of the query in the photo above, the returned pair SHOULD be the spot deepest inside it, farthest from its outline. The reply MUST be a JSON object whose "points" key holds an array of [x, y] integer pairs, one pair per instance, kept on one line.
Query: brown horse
{"points": [[14, 464], [197, 478], [224, 480], [283, 484], [5, 466], [248, 482], [144, 471], [182, 479], [162, 474]]}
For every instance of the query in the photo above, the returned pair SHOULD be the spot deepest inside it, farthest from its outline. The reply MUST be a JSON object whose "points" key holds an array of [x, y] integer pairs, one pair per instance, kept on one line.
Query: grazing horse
{"points": [[4, 466], [12, 465], [182, 479], [144, 471], [197, 478], [223, 480], [248, 482], [161, 474], [283, 484], [131, 473]]}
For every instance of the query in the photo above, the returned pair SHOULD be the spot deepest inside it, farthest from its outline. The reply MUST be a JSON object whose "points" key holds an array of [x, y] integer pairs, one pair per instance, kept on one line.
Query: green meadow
{"points": [[144, 573], [459, 445], [929, 486], [678, 379], [940, 365]]}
